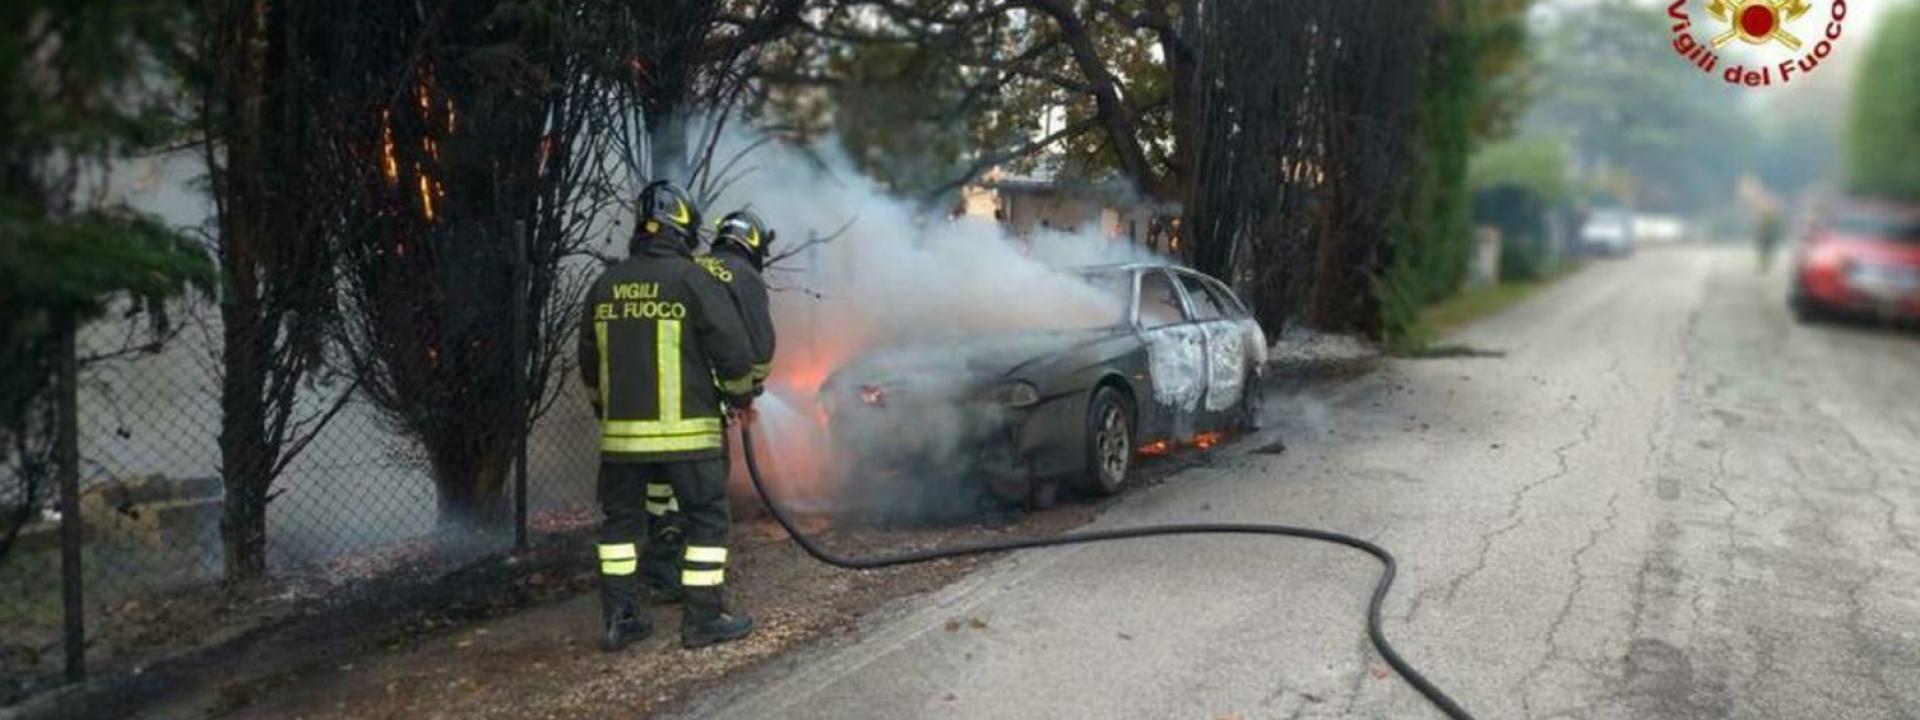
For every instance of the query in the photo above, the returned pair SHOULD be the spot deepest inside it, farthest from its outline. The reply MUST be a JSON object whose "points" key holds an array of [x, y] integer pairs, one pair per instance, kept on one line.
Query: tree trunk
{"points": [[245, 463], [243, 529], [667, 136], [1183, 90], [1115, 117], [245, 456], [470, 479]]}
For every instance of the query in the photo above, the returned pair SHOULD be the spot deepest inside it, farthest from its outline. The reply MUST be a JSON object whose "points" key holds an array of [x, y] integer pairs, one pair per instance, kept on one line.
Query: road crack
{"points": [[1577, 561], [1515, 502]]}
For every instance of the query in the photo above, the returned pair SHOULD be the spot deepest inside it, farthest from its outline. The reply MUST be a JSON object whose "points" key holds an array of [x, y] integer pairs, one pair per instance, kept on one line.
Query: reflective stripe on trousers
{"points": [[660, 500], [619, 559], [704, 566]]}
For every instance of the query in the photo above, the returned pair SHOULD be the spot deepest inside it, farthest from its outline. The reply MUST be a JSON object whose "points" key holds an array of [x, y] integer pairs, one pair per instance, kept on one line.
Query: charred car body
{"points": [[1016, 414]]}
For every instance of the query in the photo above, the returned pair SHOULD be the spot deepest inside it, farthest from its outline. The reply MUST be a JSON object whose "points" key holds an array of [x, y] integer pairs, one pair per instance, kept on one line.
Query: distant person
{"points": [[1766, 238], [663, 352]]}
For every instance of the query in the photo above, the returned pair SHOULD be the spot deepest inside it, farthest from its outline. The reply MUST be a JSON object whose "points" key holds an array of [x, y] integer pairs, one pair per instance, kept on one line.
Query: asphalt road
{"points": [[1666, 500]]}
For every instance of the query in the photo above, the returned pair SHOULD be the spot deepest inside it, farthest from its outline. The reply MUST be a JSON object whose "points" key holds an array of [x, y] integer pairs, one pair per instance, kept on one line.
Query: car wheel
{"points": [[1805, 310], [1109, 442]]}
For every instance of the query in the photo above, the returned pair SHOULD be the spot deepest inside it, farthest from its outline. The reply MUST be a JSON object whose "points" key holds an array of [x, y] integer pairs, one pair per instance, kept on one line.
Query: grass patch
{"points": [[1444, 317]]}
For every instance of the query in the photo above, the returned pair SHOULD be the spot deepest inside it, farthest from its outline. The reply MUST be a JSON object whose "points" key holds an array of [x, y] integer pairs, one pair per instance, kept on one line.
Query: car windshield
{"points": [[1901, 228], [1116, 293]]}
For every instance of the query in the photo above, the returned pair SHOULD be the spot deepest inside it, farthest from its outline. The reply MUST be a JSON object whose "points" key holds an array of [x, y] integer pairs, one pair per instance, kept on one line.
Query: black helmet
{"points": [[665, 209], [743, 228]]}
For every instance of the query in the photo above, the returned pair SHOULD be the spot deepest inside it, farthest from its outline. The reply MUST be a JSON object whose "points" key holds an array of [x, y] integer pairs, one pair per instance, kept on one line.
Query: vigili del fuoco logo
{"points": [[1790, 38]]}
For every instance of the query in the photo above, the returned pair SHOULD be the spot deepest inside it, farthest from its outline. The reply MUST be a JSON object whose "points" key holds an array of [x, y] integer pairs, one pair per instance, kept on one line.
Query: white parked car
{"points": [[1609, 231]]}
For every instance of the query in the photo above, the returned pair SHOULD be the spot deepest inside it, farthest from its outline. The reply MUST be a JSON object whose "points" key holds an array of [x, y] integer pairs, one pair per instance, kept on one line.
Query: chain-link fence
{"points": [[358, 502]]}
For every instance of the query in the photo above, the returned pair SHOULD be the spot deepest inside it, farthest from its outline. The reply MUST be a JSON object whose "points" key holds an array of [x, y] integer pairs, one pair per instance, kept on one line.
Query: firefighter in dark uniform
{"points": [[738, 256], [663, 353], [739, 252]]}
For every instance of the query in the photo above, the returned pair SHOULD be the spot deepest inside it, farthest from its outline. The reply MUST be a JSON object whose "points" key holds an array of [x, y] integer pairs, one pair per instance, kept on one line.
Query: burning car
{"points": [[1176, 358]]}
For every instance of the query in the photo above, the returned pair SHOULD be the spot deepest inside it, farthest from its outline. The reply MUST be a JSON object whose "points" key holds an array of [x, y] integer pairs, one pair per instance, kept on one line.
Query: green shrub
{"points": [[1885, 127], [1521, 258], [1537, 165]]}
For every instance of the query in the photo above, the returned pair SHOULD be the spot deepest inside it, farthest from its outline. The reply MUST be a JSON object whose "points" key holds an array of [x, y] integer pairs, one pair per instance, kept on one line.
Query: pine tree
{"points": [[75, 92]]}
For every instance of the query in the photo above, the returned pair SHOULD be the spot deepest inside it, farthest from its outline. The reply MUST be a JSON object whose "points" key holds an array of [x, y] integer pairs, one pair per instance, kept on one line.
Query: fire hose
{"points": [[1406, 670]]}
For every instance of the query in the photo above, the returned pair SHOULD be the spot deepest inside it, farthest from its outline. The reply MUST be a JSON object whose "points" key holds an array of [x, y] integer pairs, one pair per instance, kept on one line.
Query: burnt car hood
{"points": [[967, 362]]}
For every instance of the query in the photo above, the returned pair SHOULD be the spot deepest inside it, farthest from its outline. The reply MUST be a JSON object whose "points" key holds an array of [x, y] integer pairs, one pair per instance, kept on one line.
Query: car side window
{"points": [[1159, 301], [1228, 301], [1205, 305]]}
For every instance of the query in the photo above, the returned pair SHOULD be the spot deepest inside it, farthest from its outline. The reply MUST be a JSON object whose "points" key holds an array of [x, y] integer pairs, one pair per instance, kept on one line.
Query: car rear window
{"points": [[1226, 298]]}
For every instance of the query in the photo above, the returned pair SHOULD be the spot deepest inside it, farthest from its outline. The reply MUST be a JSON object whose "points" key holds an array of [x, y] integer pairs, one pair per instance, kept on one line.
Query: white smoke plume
{"points": [[892, 274]]}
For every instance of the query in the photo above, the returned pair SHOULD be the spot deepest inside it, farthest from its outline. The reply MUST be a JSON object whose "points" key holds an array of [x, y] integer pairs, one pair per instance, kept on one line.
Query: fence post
{"points": [[66, 451], [520, 383]]}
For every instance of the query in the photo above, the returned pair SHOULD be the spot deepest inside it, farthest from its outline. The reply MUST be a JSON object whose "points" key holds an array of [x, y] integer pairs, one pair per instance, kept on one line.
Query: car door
{"points": [[1176, 352], [1225, 352], [1251, 334]]}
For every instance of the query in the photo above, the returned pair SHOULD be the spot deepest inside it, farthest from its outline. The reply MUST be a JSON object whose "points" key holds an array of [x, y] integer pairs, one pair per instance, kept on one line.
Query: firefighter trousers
{"points": [[696, 504]]}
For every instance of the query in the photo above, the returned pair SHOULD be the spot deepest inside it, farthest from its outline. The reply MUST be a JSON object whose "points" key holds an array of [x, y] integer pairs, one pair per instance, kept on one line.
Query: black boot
{"points": [[707, 621], [623, 629], [621, 621]]}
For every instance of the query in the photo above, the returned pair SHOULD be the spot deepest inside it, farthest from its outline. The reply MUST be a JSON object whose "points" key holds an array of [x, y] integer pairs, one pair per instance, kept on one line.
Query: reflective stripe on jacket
{"points": [[661, 344]]}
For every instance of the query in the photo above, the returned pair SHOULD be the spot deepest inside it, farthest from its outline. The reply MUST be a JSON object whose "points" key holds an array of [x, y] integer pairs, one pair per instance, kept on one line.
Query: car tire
{"points": [[1805, 310], [1109, 439]]}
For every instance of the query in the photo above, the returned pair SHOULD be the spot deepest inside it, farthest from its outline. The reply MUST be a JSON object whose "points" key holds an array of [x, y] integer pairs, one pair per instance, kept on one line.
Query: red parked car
{"points": [[1862, 259]]}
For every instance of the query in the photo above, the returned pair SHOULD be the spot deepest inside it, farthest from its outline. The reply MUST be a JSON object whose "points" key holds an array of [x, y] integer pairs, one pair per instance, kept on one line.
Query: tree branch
{"points": [[987, 162], [813, 240]]}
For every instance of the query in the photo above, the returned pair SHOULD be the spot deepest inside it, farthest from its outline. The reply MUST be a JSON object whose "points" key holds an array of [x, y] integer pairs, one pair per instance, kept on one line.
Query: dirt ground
{"points": [[543, 662], [539, 659]]}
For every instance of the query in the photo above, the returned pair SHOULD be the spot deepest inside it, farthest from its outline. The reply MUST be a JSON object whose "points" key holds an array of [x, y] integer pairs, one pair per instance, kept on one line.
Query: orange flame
{"points": [[1207, 440], [426, 197], [423, 92], [388, 161], [1157, 447]]}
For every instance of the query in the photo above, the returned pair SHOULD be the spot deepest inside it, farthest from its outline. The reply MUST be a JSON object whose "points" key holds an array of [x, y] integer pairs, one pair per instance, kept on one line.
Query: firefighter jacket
{"points": [[661, 347], [749, 293]]}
